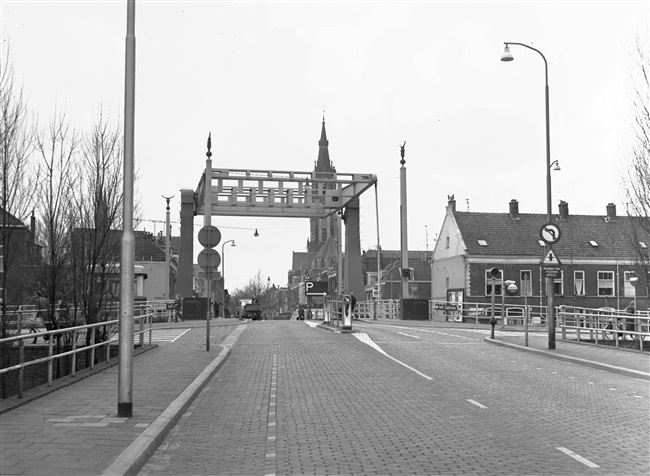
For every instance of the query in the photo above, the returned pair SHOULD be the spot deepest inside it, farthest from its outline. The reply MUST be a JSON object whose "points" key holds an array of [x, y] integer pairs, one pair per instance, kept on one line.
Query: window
{"points": [[558, 285], [541, 242], [482, 243], [606, 283], [593, 243], [579, 283], [526, 286], [498, 283], [643, 245], [447, 242], [628, 289]]}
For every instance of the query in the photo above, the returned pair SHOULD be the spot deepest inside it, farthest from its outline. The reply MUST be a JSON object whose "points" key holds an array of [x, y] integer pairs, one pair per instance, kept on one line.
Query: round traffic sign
{"points": [[550, 233], [209, 236], [209, 259]]}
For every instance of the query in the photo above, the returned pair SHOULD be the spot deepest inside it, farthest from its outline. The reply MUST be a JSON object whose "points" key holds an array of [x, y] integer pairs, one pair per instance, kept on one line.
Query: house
{"points": [[19, 253], [598, 255]]}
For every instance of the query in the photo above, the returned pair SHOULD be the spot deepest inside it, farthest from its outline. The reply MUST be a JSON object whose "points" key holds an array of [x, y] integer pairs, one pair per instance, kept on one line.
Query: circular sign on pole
{"points": [[550, 233], [209, 236], [209, 259]]}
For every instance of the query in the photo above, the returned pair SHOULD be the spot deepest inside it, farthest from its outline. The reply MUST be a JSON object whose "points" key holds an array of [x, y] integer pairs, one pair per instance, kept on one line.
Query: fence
{"points": [[73, 336], [604, 325], [481, 313], [387, 308]]}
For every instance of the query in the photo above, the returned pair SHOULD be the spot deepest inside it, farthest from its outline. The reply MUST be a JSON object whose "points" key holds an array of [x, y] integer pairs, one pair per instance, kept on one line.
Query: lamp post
{"points": [[507, 56], [223, 262]]}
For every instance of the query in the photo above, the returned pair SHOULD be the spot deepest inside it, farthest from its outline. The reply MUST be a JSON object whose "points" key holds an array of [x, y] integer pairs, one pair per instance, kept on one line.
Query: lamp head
{"points": [[557, 165], [507, 56], [233, 243], [256, 234]]}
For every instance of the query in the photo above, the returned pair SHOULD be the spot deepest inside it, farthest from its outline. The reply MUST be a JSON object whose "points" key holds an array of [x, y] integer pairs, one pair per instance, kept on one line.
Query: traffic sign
{"points": [[552, 272], [209, 236], [209, 259], [550, 260], [550, 233]]}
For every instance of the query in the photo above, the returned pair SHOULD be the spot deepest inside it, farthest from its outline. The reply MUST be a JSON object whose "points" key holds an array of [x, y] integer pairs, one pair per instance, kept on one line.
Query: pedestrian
{"points": [[226, 304], [178, 307], [301, 313], [216, 308], [43, 312], [630, 323], [353, 303]]}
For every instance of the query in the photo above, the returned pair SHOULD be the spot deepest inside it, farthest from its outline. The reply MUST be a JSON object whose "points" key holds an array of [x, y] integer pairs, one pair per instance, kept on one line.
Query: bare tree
{"points": [[56, 150], [98, 204], [257, 289], [637, 179], [16, 195]]}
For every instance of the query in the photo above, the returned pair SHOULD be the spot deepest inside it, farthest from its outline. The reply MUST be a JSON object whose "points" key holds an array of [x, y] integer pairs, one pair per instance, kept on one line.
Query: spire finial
{"points": [[209, 153], [402, 152]]}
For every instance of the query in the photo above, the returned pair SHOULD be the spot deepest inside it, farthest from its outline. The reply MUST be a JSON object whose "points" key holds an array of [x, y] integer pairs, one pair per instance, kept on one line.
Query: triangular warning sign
{"points": [[551, 259]]}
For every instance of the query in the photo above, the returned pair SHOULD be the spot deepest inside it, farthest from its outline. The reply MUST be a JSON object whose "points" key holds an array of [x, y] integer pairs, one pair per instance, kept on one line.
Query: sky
{"points": [[260, 77]]}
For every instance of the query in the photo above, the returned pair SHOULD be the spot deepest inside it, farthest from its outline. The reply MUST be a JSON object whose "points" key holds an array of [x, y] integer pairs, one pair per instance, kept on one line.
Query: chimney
{"points": [[564, 210], [514, 208], [32, 224], [451, 203], [611, 211]]}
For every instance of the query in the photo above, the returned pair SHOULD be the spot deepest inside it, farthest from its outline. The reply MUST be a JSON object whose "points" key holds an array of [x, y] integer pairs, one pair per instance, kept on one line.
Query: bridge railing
{"points": [[76, 337]]}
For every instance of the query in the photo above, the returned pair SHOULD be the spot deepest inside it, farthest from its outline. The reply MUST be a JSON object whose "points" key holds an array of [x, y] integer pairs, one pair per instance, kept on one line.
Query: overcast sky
{"points": [[260, 75]]}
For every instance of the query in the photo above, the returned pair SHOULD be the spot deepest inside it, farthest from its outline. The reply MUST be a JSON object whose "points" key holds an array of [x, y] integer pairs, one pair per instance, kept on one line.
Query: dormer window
{"points": [[482, 243], [643, 245], [541, 242], [593, 243]]}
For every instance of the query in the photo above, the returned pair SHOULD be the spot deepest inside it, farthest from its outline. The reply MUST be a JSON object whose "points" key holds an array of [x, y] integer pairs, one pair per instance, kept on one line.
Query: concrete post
{"points": [[184, 283]]}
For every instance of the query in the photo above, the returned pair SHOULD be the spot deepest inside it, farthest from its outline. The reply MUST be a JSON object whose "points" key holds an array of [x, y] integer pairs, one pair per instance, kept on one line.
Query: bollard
{"points": [[493, 323]]}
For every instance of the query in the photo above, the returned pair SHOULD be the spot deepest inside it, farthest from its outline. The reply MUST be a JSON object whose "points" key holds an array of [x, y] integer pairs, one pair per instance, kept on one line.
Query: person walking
{"points": [[226, 303], [178, 307], [353, 303], [43, 311]]}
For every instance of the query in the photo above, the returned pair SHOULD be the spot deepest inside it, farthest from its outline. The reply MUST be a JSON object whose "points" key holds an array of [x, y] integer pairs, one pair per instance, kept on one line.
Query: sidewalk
{"points": [[74, 430]]}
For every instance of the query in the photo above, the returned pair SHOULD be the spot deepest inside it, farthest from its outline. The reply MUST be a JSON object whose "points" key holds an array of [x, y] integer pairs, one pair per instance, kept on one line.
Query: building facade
{"points": [[598, 256]]}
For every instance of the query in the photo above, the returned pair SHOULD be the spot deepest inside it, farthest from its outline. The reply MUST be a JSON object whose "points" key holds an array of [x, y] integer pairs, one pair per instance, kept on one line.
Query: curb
{"points": [[133, 458], [575, 360]]}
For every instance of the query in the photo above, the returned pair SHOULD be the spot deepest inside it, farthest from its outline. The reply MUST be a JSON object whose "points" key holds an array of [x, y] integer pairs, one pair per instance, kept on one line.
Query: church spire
{"points": [[323, 163]]}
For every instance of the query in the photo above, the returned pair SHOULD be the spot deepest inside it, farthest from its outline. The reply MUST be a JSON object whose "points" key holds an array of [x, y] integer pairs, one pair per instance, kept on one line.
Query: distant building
{"points": [[391, 283], [19, 253], [598, 255]]}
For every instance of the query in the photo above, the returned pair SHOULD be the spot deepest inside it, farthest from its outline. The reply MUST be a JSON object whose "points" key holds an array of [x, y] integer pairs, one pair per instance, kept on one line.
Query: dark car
{"points": [[253, 311]]}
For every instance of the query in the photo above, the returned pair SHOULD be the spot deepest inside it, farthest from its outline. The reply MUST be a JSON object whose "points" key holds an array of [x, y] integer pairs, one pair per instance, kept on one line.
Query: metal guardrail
{"points": [[74, 334], [604, 324]]}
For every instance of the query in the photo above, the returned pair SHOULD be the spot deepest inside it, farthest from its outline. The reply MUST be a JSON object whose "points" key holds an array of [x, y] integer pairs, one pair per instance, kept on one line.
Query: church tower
{"points": [[320, 229]]}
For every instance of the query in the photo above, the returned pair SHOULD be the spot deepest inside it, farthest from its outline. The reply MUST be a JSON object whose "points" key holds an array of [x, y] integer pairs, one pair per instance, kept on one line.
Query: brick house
{"points": [[598, 255]]}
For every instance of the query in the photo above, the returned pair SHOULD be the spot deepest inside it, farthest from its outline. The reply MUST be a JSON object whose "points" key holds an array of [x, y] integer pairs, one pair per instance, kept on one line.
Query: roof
{"points": [[12, 221], [146, 247], [582, 236], [302, 260]]}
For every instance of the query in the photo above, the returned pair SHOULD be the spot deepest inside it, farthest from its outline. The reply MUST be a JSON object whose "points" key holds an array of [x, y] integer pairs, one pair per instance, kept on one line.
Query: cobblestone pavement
{"points": [[75, 431], [292, 399]]}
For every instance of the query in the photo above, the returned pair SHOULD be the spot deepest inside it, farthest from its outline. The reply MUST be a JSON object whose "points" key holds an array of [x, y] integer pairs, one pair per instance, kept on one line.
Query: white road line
{"points": [[365, 338], [577, 457], [408, 335], [474, 402]]}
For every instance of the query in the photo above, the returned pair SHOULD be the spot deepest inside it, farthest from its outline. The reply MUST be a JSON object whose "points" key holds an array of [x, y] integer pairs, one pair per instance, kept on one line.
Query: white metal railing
{"points": [[74, 334], [481, 313], [604, 324], [386, 308]]}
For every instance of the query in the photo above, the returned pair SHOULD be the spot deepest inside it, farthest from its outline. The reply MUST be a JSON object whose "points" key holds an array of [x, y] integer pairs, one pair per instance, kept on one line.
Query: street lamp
{"points": [[507, 56], [223, 261]]}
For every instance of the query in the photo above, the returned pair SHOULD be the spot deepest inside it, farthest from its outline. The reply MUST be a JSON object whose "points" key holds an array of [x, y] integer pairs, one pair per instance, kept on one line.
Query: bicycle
{"points": [[621, 325]]}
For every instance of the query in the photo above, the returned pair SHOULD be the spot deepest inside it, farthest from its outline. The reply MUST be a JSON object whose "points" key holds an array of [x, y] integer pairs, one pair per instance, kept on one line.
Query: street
{"points": [[403, 399]]}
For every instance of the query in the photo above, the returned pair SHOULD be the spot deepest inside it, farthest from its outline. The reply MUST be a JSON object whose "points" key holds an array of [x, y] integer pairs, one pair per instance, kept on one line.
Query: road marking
{"points": [[474, 402], [577, 457], [365, 338], [408, 335]]}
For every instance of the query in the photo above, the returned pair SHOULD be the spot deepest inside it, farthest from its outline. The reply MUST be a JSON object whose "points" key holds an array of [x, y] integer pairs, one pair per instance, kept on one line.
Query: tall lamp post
{"points": [[223, 261], [507, 56]]}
